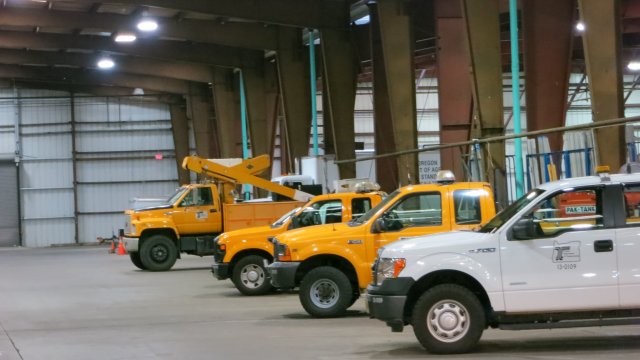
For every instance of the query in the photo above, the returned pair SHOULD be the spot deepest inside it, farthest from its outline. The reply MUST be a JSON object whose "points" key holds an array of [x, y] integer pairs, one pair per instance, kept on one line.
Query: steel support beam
{"points": [[141, 66], [180, 132], [294, 86], [272, 102], [95, 89], [227, 105], [483, 35], [94, 77], [199, 107], [302, 13], [327, 122], [153, 48], [548, 40], [340, 70], [602, 49], [383, 126], [240, 34], [254, 79], [396, 41], [455, 101]]}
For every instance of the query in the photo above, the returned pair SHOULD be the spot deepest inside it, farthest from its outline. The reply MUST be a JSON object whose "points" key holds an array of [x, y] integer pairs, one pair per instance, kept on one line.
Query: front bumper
{"points": [[131, 244], [220, 270], [283, 274], [387, 302]]}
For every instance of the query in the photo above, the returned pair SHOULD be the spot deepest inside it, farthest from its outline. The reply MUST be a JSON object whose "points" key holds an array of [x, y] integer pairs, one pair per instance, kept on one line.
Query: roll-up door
{"points": [[9, 210]]}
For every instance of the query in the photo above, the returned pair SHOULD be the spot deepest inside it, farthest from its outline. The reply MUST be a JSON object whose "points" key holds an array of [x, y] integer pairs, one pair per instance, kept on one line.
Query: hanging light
{"points": [[106, 63], [580, 26], [147, 25], [633, 65], [125, 37]]}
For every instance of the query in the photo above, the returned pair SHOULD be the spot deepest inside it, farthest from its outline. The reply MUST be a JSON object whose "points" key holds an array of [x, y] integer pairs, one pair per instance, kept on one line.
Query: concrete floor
{"points": [[82, 303]]}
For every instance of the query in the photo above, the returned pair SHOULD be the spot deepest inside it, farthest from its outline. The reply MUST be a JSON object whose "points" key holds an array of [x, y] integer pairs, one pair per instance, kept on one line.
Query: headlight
{"points": [[387, 268], [281, 251]]}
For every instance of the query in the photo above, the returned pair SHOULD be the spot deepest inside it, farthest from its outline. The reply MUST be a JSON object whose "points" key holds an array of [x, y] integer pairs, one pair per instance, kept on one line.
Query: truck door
{"points": [[198, 213], [561, 255], [412, 215], [628, 236]]}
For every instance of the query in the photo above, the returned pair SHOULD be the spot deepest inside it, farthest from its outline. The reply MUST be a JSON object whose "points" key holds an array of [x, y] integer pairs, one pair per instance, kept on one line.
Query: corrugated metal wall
{"points": [[116, 143], [106, 147]]}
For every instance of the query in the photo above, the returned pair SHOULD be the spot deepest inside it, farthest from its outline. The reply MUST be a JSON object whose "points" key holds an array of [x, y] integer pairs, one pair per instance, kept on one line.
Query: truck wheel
{"points": [[250, 277], [135, 259], [448, 319], [158, 253], [326, 292]]}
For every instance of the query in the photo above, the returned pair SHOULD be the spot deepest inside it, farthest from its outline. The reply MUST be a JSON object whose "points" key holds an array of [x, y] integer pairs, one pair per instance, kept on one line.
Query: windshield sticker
{"points": [[201, 215], [568, 252]]}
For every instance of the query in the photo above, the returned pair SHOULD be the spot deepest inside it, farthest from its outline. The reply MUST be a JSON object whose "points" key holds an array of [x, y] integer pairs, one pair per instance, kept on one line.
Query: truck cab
{"points": [[564, 255], [242, 254], [332, 263]]}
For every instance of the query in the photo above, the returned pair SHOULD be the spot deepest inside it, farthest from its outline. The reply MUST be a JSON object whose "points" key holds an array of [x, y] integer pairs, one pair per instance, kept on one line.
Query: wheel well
{"points": [[335, 261], [248, 252], [447, 277], [166, 232]]}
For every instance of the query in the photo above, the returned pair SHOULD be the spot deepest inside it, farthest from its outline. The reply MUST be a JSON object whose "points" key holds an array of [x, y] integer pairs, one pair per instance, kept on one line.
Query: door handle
{"points": [[603, 246], [213, 210]]}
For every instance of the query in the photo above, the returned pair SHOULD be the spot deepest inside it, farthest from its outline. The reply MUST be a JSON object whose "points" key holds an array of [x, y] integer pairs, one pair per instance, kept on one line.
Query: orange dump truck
{"points": [[195, 214]]}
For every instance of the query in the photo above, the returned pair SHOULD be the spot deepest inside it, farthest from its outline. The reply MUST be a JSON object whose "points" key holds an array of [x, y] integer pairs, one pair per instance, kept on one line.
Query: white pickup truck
{"points": [[566, 254]]}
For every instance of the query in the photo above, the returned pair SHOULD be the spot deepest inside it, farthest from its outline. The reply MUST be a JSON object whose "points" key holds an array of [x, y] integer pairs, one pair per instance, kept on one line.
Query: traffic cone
{"points": [[112, 250], [121, 249]]}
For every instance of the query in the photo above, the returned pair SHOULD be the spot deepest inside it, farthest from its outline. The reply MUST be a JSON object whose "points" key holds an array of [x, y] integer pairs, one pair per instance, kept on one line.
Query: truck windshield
{"points": [[369, 214], [510, 211], [284, 218], [173, 198]]}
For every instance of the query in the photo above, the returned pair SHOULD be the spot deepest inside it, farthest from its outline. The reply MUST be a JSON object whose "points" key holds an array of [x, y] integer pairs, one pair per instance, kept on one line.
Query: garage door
{"points": [[9, 217]]}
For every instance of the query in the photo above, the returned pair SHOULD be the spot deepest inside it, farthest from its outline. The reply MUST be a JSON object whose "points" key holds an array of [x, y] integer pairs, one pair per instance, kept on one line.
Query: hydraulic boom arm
{"points": [[242, 173]]}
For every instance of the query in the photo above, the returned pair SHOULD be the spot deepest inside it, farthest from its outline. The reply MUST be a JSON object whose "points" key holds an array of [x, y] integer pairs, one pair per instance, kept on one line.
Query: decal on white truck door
{"points": [[567, 252]]}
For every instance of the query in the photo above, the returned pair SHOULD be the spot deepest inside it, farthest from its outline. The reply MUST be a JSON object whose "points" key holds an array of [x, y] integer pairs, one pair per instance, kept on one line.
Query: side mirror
{"points": [[523, 229], [378, 226]]}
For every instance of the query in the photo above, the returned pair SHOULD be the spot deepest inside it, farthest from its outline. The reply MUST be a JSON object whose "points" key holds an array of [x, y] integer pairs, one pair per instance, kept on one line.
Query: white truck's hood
{"points": [[460, 242]]}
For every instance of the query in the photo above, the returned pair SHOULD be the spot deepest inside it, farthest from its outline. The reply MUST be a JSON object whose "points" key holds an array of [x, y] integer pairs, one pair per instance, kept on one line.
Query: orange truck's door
{"points": [[412, 215], [198, 212]]}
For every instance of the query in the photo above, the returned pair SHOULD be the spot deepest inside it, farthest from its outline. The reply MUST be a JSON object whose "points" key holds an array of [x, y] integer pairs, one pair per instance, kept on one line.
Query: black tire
{"points": [[158, 253], [448, 319], [135, 259], [326, 292], [250, 276]]}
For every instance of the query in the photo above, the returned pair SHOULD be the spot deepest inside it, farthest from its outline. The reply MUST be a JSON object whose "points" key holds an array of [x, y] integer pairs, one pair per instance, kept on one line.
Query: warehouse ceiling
{"points": [[58, 44]]}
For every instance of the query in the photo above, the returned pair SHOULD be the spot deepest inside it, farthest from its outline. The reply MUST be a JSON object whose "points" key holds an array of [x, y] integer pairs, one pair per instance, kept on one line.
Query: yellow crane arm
{"points": [[243, 173]]}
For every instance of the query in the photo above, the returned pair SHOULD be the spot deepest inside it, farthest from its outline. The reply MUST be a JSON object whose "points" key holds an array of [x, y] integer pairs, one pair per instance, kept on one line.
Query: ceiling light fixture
{"points": [[125, 38], [106, 63], [580, 26], [147, 25], [633, 65]]}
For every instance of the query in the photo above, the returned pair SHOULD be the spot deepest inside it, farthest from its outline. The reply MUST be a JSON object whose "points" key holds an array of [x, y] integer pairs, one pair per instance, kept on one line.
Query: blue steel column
{"points": [[312, 79], [515, 89], [602, 49]]}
